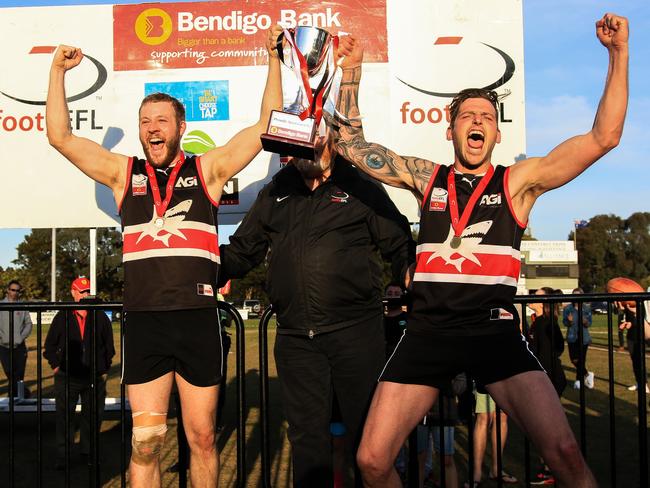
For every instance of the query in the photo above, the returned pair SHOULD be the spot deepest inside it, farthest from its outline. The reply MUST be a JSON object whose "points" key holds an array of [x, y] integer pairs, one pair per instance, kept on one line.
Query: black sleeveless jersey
{"points": [[468, 289], [172, 266]]}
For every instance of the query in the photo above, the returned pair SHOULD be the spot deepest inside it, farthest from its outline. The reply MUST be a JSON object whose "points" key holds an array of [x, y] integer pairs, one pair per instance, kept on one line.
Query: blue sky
{"points": [[565, 68]]}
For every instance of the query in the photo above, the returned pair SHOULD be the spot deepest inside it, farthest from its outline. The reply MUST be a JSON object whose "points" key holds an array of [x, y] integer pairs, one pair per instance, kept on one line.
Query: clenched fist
{"points": [[612, 31], [67, 57], [351, 51], [272, 40]]}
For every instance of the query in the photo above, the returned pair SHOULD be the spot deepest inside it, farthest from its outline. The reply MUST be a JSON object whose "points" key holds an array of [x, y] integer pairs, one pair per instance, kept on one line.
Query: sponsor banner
{"points": [[203, 100], [232, 33], [435, 49]]}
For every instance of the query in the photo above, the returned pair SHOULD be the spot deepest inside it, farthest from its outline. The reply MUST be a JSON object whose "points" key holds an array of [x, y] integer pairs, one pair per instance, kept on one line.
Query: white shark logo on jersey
{"points": [[173, 218], [471, 239]]}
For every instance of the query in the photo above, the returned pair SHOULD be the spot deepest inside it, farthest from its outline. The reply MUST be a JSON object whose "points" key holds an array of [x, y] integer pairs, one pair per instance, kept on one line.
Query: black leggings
{"points": [[574, 354]]}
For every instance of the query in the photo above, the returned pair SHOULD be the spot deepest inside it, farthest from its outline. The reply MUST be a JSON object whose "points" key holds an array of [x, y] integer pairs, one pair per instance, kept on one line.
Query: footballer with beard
{"points": [[168, 206]]}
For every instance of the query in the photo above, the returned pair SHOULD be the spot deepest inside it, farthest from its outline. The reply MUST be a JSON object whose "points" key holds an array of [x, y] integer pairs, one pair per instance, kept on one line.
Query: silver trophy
{"points": [[310, 54]]}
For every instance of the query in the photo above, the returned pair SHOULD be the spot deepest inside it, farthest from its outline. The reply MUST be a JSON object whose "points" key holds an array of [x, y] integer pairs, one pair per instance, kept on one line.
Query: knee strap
{"points": [[149, 429]]}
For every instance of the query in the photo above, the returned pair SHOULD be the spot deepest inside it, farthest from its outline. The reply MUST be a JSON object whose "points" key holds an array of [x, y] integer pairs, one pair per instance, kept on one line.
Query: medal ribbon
{"points": [[161, 206], [460, 224], [317, 106]]}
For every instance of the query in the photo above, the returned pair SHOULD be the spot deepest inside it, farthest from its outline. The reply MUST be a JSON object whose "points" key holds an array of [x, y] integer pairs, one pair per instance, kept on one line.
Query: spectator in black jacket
{"points": [[546, 339], [547, 344], [324, 226], [77, 370]]}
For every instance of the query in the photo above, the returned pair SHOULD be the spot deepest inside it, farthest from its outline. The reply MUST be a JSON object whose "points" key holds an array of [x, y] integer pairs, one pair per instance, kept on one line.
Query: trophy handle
{"points": [[280, 48]]}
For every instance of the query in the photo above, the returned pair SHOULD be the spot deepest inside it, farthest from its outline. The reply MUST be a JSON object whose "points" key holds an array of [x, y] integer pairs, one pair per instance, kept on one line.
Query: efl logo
{"points": [[153, 26]]}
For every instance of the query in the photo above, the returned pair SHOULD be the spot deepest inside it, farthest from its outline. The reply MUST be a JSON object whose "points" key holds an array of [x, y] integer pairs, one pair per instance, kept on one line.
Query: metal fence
{"points": [[412, 478], [38, 404]]}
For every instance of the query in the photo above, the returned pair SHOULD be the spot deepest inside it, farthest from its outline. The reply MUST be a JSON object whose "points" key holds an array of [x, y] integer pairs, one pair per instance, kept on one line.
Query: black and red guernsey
{"points": [[171, 260], [466, 276]]}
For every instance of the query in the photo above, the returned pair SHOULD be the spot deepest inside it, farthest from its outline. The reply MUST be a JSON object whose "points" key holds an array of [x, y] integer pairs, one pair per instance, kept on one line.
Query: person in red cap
{"points": [[74, 366]]}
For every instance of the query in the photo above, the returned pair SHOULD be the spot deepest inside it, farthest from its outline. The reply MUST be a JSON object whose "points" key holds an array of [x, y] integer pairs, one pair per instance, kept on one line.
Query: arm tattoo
{"points": [[421, 169], [376, 160]]}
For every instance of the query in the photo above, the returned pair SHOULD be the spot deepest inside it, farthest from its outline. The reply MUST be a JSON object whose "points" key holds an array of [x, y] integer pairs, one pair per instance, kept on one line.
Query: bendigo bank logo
{"points": [[153, 26]]}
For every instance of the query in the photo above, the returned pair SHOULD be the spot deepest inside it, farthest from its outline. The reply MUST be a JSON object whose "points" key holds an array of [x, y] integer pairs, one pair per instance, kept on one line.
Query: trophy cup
{"points": [[293, 131]]}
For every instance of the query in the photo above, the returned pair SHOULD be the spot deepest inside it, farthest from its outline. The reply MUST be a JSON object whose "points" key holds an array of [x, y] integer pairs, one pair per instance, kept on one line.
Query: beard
{"points": [[307, 168], [172, 146]]}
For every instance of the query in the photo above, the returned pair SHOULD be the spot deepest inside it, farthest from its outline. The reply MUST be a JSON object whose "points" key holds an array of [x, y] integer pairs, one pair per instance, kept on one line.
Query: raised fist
{"points": [[612, 31], [67, 57], [351, 51], [272, 40]]}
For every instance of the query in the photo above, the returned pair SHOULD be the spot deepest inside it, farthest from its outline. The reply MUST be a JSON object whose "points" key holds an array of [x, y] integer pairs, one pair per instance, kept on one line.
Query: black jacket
{"points": [[80, 351], [547, 344], [324, 269]]}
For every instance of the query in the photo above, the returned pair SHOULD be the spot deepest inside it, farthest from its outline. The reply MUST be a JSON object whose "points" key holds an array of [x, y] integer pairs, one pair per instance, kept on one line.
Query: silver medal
{"points": [[159, 222]]}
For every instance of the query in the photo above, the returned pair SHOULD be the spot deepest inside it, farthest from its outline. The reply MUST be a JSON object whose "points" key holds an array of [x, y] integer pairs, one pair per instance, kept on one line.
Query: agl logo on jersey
{"points": [[490, 200], [187, 182]]}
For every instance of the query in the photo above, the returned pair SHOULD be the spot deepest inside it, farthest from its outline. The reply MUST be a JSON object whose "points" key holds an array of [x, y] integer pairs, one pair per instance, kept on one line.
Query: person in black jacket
{"points": [[547, 344], [546, 339], [77, 370], [325, 227]]}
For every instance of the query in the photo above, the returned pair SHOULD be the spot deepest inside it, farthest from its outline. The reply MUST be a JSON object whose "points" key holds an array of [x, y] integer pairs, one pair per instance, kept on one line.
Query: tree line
{"points": [[32, 267], [608, 246]]}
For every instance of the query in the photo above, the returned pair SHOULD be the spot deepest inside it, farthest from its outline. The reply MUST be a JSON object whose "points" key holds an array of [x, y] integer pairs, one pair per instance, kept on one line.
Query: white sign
{"points": [[435, 49]]}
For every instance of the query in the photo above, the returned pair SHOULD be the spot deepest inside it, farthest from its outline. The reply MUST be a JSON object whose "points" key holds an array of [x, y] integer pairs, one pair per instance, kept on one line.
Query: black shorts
{"points": [[434, 359], [185, 341]]}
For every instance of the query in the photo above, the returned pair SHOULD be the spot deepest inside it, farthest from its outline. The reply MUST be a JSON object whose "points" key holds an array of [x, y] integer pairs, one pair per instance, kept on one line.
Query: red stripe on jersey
{"points": [[491, 265], [195, 239]]}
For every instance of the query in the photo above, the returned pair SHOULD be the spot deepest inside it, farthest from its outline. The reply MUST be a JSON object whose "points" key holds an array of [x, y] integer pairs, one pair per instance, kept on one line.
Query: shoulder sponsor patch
{"points": [[438, 200], [139, 184]]}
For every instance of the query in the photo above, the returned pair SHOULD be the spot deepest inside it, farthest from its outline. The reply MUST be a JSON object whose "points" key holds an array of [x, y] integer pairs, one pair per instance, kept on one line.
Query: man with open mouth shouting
{"points": [[472, 219], [168, 206]]}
